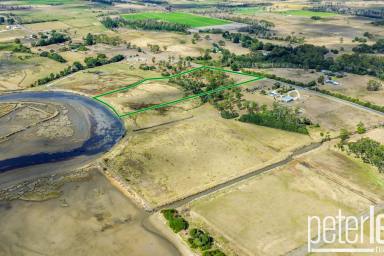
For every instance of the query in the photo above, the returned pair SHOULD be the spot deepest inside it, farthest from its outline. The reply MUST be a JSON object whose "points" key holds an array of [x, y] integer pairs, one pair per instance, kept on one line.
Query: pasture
{"points": [[172, 161], [268, 213]]}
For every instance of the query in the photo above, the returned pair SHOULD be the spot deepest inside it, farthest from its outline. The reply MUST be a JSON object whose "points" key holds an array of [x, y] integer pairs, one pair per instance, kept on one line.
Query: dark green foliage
{"points": [[21, 48], [89, 39], [110, 23], [280, 117], [369, 151], [378, 47], [316, 18], [360, 128], [175, 221], [228, 115], [213, 253], [54, 56], [302, 56], [51, 38], [200, 239], [99, 60]]}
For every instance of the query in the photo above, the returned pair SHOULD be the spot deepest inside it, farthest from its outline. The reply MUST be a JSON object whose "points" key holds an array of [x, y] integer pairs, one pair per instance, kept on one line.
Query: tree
{"points": [[321, 79], [89, 39], [344, 134], [374, 85], [360, 128]]}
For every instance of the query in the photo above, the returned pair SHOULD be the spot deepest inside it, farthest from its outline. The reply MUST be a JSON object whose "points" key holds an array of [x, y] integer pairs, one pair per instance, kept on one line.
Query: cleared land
{"points": [[265, 216], [172, 161], [356, 86], [178, 17]]}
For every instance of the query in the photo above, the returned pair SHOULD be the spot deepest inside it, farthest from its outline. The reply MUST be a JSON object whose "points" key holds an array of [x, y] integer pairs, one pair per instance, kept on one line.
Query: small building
{"points": [[274, 94], [287, 99], [333, 82]]}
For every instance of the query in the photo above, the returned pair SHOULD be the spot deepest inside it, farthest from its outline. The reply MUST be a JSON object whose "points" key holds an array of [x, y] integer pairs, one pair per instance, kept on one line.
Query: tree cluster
{"points": [[91, 39], [280, 117], [369, 151], [175, 221], [377, 47], [52, 37], [54, 56], [198, 239], [374, 85]]}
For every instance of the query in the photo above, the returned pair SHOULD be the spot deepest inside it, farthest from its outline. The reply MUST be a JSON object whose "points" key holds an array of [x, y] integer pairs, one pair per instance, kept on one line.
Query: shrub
{"points": [[175, 221]]}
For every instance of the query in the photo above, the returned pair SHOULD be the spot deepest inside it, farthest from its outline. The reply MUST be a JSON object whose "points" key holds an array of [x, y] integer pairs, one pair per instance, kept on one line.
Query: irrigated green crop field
{"points": [[178, 17]]}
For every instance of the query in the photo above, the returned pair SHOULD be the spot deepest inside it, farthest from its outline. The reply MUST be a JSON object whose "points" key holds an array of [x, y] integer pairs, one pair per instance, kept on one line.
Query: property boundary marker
{"points": [[173, 102]]}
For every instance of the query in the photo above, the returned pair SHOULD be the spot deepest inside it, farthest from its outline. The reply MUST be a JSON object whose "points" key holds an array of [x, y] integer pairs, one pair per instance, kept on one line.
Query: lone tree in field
{"points": [[360, 129], [374, 85], [344, 134]]}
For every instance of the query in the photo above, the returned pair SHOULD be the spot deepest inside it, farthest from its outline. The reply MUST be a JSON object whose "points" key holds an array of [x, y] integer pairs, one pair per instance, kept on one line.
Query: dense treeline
{"points": [[369, 151], [148, 24], [280, 117], [302, 56], [54, 56], [90, 62], [281, 79], [378, 47], [197, 238], [52, 37]]}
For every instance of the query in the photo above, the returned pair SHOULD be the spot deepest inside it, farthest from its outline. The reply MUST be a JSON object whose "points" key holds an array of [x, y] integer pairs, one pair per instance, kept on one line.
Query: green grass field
{"points": [[305, 13], [178, 17]]}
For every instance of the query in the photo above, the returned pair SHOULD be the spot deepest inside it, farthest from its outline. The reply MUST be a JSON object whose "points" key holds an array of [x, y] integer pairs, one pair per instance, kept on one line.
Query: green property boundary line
{"points": [[173, 102]]}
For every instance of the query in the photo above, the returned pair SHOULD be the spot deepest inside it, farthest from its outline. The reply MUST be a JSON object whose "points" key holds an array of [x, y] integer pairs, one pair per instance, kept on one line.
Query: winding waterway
{"points": [[96, 127]]}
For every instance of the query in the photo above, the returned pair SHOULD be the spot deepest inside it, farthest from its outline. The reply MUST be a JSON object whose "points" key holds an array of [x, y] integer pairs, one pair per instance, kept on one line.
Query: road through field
{"points": [[188, 199]]}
